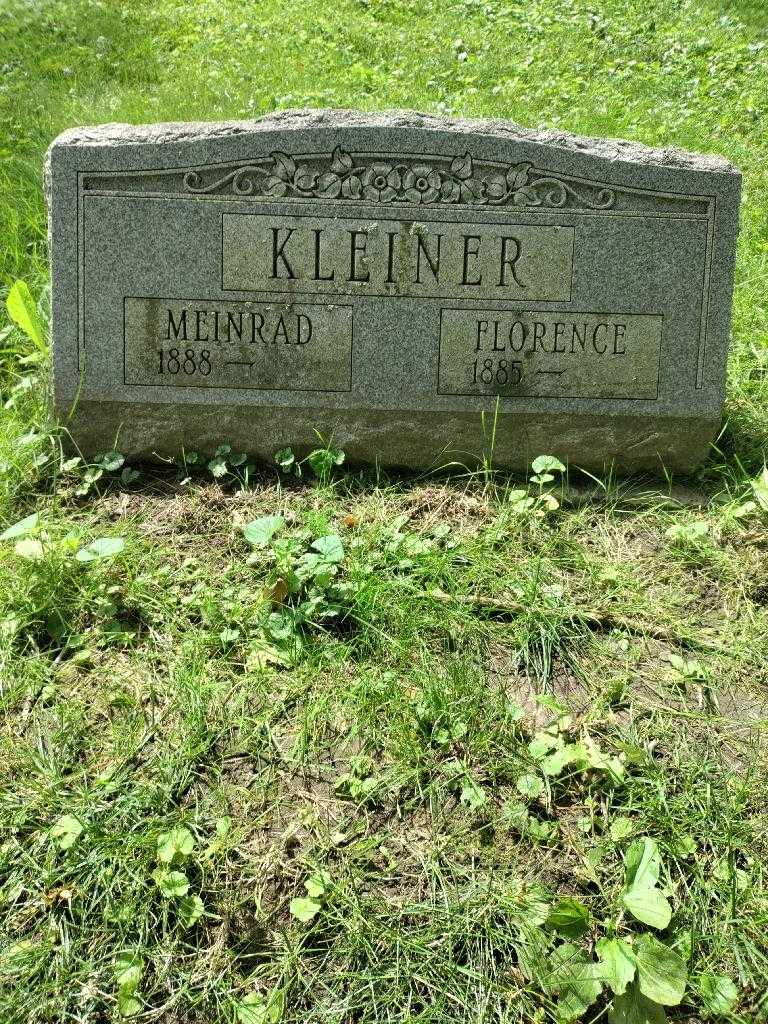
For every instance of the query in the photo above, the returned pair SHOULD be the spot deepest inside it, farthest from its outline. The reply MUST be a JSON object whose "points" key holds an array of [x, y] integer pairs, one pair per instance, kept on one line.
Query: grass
{"points": [[365, 729]]}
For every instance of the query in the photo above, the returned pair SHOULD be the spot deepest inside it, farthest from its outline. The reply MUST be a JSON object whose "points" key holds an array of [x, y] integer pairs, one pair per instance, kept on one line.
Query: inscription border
{"points": [[83, 192], [566, 312]]}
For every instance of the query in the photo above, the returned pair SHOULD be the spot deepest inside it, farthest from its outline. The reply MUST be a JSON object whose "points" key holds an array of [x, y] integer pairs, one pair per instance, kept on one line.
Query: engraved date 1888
{"points": [[188, 361]]}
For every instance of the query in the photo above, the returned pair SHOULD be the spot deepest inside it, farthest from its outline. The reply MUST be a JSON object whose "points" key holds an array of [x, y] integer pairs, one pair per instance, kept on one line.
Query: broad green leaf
{"points": [[688, 669], [261, 531], [649, 905], [15, 956], [541, 744], [22, 528], [760, 489], [661, 972], [190, 909], [516, 813], [689, 532], [127, 1004], [718, 993], [514, 712], [634, 1008], [642, 898], [569, 917], [537, 908], [285, 459], [532, 948], [23, 311], [256, 1008], [111, 461], [218, 466], [543, 831], [103, 547], [571, 1004], [172, 884], [523, 505], [317, 884], [304, 909], [618, 964], [677, 662], [530, 786], [66, 831], [330, 547], [550, 501], [685, 846], [281, 625], [129, 968], [547, 464], [547, 700], [643, 863], [621, 828], [29, 548], [322, 460], [746, 508], [472, 795], [176, 845], [252, 1009], [555, 762], [574, 979], [600, 760]]}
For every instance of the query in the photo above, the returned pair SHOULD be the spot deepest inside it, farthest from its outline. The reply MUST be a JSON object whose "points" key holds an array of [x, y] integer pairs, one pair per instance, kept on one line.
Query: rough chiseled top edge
{"points": [[292, 120]]}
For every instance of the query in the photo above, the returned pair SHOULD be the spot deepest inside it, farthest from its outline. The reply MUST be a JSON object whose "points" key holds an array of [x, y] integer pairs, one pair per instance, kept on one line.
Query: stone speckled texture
{"points": [[394, 281]]}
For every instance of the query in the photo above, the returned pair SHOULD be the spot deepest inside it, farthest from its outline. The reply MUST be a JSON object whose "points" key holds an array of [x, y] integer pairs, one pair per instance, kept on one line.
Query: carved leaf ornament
{"points": [[413, 182]]}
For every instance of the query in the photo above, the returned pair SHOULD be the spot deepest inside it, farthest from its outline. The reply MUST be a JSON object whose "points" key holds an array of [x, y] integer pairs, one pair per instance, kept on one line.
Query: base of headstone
{"points": [[396, 439]]}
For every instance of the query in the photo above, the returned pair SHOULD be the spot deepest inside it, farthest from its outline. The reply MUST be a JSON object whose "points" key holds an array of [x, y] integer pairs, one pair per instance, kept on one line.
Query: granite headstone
{"points": [[417, 289]]}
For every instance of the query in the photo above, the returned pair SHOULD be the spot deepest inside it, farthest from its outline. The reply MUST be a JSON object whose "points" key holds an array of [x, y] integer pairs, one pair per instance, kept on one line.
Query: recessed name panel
{"points": [[386, 255], [253, 345], [519, 354]]}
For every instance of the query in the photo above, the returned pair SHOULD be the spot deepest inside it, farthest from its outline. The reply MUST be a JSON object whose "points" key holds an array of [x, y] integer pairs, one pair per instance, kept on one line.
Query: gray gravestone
{"points": [[420, 290]]}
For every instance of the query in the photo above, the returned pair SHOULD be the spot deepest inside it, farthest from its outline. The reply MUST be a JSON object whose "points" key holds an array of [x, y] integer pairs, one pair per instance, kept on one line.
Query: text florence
{"points": [[559, 336]]}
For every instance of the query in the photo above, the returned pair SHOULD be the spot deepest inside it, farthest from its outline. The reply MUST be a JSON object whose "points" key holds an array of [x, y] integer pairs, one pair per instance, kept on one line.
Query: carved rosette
{"points": [[419, 181]]}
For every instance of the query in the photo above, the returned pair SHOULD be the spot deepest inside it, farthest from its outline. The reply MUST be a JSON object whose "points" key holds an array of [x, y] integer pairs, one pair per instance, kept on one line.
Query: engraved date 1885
{"points": [[494, 368], [499, 372]]}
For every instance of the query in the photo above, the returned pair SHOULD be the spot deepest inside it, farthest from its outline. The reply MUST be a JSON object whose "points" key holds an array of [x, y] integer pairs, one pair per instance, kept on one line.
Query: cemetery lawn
{"points": [[354, 747]]}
